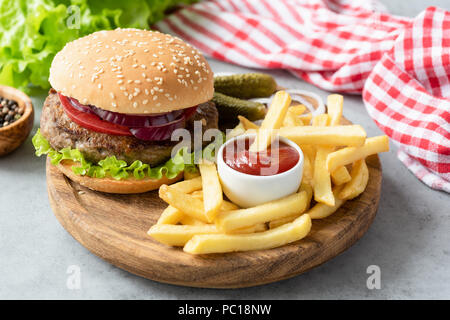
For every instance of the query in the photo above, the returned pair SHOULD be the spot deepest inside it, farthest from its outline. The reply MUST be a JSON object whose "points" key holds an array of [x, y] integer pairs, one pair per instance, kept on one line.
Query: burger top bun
{"points": [[132, 71]]}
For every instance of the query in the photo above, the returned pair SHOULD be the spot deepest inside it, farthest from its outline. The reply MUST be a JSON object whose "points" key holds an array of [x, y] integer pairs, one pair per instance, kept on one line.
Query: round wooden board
{"points": [[114, 228]]}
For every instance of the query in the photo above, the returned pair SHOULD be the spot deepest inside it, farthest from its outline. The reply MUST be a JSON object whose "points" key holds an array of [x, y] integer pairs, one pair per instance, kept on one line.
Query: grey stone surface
{"points": [[409, 239]]}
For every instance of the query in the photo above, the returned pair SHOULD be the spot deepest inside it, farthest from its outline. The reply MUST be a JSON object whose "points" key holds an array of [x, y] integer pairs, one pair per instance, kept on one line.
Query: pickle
{"points": [[246, 86], [229, 108]]}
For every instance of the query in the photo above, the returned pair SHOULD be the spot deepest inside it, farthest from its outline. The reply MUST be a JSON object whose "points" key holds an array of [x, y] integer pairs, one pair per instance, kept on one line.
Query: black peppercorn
{"points": [[9, 112]]}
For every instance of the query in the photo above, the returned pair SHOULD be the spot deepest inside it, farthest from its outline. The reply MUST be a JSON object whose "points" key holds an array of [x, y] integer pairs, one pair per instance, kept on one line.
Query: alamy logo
{"points": [[374, 280], [73, 19], [73, 281]]}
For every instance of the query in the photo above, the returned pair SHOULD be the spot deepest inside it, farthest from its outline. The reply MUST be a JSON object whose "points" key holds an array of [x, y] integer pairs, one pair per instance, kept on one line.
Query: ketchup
{"points": [[278, 158]]}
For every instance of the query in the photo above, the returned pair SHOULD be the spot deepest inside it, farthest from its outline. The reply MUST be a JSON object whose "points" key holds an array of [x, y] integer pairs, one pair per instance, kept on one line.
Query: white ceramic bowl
{"points": [[248, 190]]}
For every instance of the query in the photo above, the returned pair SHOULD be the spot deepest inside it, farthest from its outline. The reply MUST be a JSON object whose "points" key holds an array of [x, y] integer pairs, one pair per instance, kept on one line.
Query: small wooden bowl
{"points": [[13, 135]]}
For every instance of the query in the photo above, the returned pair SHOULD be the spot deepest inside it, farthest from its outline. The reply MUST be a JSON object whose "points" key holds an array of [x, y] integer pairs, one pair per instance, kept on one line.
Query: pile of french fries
{"points": [[201, 221]]}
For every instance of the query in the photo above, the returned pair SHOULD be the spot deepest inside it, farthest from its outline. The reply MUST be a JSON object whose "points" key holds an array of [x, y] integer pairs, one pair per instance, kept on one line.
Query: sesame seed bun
{"points": [[110, 185], [132, 71]]}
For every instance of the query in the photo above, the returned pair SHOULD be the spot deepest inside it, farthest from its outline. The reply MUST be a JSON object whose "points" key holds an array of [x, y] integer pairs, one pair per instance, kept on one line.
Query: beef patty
{"points": [[62, 132]]}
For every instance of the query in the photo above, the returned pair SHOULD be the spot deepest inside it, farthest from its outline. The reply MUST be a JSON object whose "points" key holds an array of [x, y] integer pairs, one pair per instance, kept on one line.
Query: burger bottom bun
{"points": [[110, 185]]}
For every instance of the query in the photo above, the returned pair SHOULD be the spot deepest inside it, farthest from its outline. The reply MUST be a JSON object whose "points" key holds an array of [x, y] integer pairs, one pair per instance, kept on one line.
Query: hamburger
{"points": [[116, 98]]}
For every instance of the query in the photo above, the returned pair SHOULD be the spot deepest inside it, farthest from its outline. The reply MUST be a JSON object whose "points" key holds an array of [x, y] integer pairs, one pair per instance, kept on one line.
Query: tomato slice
{"points": [[92, 121]]}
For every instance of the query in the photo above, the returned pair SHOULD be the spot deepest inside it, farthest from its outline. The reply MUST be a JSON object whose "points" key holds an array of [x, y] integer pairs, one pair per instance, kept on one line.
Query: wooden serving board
{"points": [[114, 228]]}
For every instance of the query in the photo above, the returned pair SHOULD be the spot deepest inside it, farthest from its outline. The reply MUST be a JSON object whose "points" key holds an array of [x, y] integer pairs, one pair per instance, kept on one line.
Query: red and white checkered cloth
{"points": [[400, 65]]}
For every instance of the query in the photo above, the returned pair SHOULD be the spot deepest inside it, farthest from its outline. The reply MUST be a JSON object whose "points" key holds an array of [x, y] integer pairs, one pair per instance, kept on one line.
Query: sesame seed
{"points": [[145, 101], [135, 105]]}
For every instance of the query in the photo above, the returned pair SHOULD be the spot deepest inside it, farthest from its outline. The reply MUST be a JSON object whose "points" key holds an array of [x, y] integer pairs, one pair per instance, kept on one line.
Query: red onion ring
{"points": [[150, 128]]}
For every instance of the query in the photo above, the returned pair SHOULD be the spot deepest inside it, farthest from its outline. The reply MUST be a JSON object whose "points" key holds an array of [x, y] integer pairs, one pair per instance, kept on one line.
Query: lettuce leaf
{"points": [[111, 166], [32, 32]]}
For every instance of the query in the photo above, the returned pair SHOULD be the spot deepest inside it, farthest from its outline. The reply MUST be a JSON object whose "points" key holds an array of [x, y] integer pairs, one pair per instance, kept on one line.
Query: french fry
{"points": [[321, 210], [212, 190], [358, 183], [177, 235], [290, 120], [272, 121], [322, 179], [236, 131], [297, 109], [349, 155], [307, 170], [178, 216], [309, 193], [335, 104], [309, 150], [321, 120], [188, 186], [241, 218], [304, 186], [279, 222], [226, 205], [293, 114], [353, 135], [188, 220], [340, 176], [256, 228], [183, 202], [215, 243], [170, 215], [198, 194], [247, 124], [306, 119]]}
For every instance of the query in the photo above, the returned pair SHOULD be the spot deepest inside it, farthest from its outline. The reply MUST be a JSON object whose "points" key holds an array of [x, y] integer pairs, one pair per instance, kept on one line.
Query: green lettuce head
{"points": [[32, 32]]}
